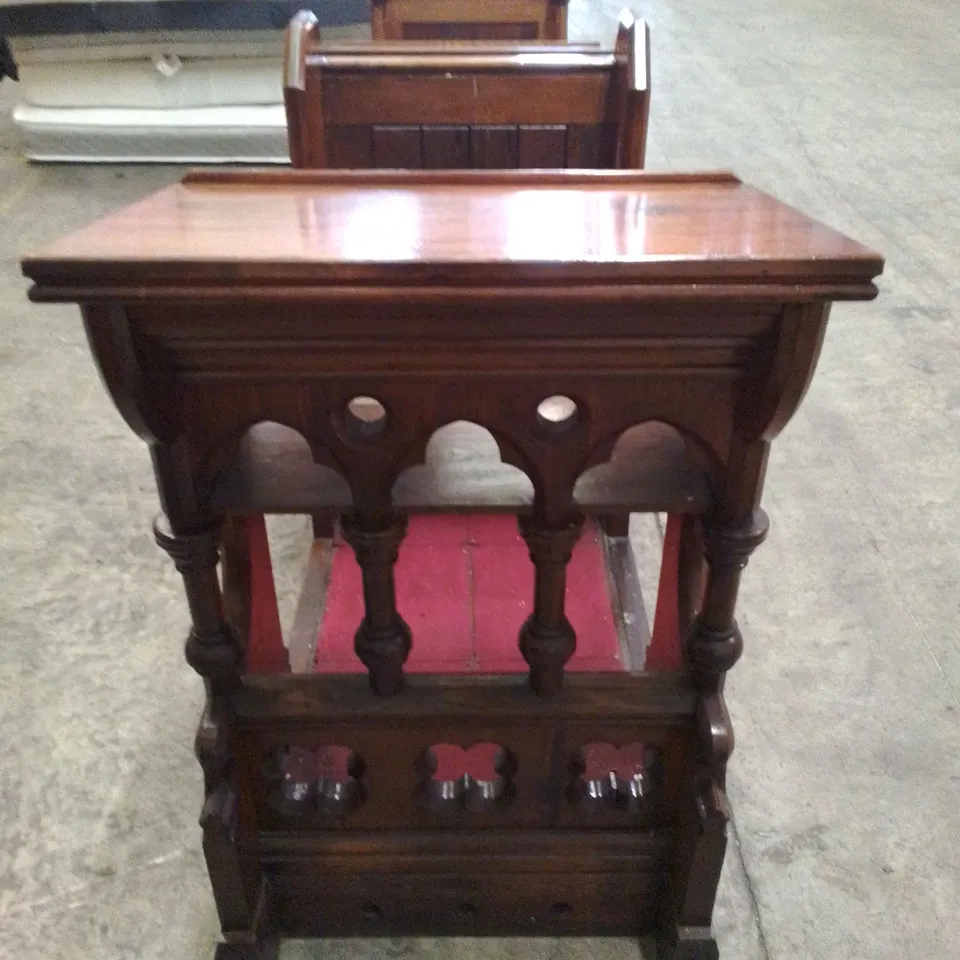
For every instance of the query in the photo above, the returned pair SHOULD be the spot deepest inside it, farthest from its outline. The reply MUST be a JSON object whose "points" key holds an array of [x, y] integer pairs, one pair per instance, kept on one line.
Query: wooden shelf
{"points": [[650, 471]]}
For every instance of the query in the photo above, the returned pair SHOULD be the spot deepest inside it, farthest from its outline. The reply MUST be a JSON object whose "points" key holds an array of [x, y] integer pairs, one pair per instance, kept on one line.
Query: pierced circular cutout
{"points": [[557, 414], [365, 417]]}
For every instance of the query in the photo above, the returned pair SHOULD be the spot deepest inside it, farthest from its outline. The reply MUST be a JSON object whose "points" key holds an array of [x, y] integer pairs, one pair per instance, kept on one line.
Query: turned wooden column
{"points": [[547, 640], [715, 643], [383, 640], [212, 648]]}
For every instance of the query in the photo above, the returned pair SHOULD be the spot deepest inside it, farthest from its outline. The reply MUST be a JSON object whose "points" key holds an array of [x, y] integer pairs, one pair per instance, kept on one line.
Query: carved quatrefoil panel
{"points": [[476, 779], [610, 777], [322, 779]]}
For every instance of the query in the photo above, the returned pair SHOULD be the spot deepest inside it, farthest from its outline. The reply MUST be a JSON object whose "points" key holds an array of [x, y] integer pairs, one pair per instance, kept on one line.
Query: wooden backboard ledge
{"points": [[441, 48], [545, 60]]}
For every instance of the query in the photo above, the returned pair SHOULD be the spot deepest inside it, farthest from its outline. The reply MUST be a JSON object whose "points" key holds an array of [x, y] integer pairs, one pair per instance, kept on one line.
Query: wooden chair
{"points": [[445, 105], [469, 19]]}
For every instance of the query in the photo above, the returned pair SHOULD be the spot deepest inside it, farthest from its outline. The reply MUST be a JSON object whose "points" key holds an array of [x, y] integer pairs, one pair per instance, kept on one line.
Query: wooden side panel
{"points": [[494, 147], [445, 148], [466, 30], [541, 147], [265, 651], [589, 146], [426, 97], [537, 784], [350, 146], [463, 904], [469, 20], [397, 148]]}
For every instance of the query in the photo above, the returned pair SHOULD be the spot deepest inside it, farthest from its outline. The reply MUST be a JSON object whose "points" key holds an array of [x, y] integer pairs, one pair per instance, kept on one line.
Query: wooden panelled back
{"points": [[443, 105], [469, 19]]}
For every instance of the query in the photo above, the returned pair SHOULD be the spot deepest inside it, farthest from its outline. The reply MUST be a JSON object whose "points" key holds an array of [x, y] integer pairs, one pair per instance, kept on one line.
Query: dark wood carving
{"points": [[238, 320]]}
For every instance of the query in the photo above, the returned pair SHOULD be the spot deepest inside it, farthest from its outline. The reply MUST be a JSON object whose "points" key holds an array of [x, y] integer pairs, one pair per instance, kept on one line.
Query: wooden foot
{"points": [[267, 949], [256, 939], [688, 943]]}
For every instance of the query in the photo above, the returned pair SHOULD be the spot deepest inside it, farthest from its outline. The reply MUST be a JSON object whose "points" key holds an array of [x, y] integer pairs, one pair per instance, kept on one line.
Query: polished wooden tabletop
{"points": [[312, 228]]}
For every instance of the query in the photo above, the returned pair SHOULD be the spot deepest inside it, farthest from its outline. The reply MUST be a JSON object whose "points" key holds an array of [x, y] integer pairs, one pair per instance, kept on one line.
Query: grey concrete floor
{"points": [[846, 780]]}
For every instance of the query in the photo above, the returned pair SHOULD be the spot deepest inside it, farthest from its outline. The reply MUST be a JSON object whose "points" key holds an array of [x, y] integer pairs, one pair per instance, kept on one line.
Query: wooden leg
{"points": [[547, 640], [258, 941], [715, 643], [267, 949], [212, 647], [688, 943], [383, 641]]}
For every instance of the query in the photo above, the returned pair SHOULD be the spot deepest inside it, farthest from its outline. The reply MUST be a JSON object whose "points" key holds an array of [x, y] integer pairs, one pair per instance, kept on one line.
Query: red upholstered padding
{"points": [[465, 585]]}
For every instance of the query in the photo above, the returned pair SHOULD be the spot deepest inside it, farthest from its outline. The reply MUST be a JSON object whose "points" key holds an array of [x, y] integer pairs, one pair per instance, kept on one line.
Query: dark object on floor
{"points": [[8, 66], [92, 17]]}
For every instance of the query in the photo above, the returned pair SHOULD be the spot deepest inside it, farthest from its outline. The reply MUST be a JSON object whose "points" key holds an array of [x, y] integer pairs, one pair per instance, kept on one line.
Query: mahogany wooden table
{"points": [[291, 341]]}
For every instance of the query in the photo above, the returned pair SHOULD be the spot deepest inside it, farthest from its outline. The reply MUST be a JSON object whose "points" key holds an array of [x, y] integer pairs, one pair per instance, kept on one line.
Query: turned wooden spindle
{"points": [[715, 642], [547, 640], [383, 640], [212, 647]]}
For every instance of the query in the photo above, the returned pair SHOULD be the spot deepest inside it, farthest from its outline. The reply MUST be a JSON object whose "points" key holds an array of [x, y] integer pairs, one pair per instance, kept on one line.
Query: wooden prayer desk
{"points": [[674, 320]]}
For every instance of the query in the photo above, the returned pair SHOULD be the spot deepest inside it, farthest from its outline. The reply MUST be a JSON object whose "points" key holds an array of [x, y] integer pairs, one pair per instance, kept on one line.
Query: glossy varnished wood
{"points": [[307, 234], [469, 20], [467, 105], [678, 319]]}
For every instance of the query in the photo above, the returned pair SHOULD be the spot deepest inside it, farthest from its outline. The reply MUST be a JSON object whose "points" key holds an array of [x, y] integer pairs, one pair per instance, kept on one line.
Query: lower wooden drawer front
{"points": [[467, 904]]}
